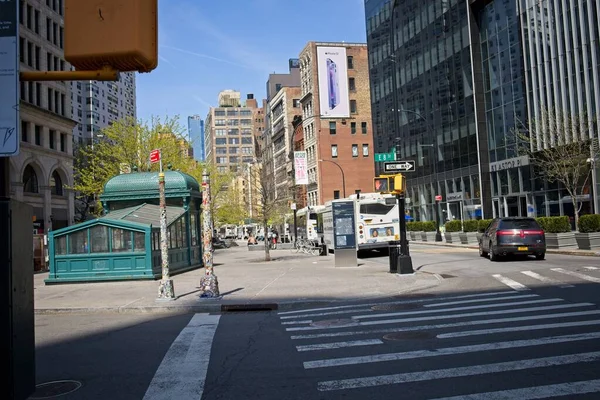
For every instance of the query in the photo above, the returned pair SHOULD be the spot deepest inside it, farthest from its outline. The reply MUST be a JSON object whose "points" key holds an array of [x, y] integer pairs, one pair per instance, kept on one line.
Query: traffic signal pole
{"points": [[404, 260]]}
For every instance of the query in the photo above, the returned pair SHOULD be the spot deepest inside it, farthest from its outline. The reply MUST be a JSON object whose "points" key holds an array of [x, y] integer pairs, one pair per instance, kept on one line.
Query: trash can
{"points": [[323, 251], [394, 252]]}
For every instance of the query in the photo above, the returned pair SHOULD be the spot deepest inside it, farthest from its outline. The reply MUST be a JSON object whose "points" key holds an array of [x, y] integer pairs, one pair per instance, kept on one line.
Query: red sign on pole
{"points": [[155, 156], [438, 198]]}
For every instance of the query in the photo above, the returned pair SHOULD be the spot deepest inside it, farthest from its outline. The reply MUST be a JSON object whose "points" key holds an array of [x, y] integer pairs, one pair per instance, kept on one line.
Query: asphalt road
{"points": [[512, 329]]}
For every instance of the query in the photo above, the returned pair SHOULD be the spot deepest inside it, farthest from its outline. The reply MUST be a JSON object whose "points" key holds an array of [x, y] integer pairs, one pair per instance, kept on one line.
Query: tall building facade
{"points": [[43, 170], [452, 81], [97, 104], [196, 137], [229, 135], [336, 120]]}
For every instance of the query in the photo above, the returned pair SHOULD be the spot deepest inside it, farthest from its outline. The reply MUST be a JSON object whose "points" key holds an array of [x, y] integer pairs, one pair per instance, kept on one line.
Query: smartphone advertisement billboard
{"points": [[333, 82]]}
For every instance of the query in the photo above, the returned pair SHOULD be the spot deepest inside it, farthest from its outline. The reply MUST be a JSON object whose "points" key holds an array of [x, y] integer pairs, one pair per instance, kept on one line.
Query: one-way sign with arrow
{"points": [[399, 166]]}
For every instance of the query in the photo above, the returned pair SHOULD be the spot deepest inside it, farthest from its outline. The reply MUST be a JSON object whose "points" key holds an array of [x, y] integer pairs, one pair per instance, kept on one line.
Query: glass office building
{"points": [[468, 73]]}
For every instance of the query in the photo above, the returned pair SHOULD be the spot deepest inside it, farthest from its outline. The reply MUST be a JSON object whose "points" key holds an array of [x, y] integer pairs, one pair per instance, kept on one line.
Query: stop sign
{"points": [[438, 197]]}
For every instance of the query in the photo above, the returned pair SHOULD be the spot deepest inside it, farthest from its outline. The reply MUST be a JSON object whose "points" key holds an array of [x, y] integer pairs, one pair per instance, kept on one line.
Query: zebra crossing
{"points": [[522, 280], [469, 346]]}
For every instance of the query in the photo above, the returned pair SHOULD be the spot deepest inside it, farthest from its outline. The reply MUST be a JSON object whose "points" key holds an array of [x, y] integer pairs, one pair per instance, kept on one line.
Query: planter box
{"points": [[452, 237], [479, 235], [428, 236], [413, 236], [560, 240], [469, 238], [588, 241]]}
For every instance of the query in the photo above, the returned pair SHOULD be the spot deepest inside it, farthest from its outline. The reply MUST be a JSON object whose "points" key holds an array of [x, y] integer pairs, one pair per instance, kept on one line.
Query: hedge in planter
{"points": [[469, 233], [482, 224], [558, 232], [428, 233], [588, 237], [452, 233]]}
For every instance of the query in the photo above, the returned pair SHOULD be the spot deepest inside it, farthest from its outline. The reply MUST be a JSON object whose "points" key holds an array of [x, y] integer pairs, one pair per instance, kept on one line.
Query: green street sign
{"points": [[385, 157]]}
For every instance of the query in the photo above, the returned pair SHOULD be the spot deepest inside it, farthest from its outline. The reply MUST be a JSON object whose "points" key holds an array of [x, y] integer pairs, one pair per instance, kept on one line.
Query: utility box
{"points": [[122, 34]]}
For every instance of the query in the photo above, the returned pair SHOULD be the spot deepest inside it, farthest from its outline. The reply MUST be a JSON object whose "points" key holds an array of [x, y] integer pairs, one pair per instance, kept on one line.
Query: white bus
{"points": [[376, 221], [228, 231], [307, 222]]}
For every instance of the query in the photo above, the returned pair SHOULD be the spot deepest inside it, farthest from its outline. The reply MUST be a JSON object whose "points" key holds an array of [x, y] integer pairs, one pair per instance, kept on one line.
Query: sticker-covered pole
{"points": [[209, 285], [166, 289]]}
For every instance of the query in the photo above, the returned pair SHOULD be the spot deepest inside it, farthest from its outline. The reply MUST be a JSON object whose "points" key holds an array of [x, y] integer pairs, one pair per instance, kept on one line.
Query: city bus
{"points": [[376, 221], [307, 222]]}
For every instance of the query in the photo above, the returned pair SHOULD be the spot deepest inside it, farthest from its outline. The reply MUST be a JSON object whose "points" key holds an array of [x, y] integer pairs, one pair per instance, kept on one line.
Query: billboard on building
{"points": [[300, 168], [333, 82]]}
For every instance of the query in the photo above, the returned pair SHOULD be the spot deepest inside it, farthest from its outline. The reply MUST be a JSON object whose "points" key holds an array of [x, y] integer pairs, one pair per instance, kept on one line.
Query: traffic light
{"points": [[389, 184], [398, 184], [122, 34]]}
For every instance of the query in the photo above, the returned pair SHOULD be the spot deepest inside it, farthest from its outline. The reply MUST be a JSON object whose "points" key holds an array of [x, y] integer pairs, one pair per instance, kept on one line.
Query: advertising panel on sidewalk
{"points": [[9, 78], [333, 82], [300, 168]]}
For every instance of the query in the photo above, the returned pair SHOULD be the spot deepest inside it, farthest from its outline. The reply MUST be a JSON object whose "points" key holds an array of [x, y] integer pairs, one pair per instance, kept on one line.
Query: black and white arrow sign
{"points": [[399, 166]]}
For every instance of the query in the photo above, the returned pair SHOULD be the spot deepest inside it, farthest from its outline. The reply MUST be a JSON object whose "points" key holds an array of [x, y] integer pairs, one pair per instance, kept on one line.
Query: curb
{"points": [[224, 307], [587, 253]]}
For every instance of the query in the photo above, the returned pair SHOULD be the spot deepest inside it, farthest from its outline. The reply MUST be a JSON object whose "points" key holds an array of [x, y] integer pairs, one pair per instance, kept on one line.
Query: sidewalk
{"points": [[570, 252], [291, 280]]}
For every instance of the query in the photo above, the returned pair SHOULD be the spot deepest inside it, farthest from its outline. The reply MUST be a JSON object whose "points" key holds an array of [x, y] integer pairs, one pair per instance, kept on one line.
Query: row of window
{"points": [[30, 182], [100, 239], [333, 127], [232, 113], [234, 160], [232, 122], [30, 18], [31, 54], [32, 92], [365, 150], [56, 140], [234, 132], [234, 150], [231, 140]]}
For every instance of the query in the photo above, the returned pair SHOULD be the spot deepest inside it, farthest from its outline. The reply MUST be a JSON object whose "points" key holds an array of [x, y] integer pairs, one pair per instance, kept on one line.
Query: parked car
{"points": [[513, 235]]}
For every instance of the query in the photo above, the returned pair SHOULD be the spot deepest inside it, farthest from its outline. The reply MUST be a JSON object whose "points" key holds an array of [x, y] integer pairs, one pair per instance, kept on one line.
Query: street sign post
{"points": [[399, 166]]}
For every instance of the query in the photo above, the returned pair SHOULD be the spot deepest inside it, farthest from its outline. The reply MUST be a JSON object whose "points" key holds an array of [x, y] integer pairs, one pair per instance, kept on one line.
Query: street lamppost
{"points": [[343, 178]]}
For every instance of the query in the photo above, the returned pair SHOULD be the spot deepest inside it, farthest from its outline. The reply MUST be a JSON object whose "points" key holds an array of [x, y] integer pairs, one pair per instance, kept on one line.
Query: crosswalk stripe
{"points": [[545, 279], [517, 329], [466, 296], [480, 300], [307, 321], [437, 310], [336, 362], [338, 345], [577, 275], [475, 314], [421, 376], [536, 392], [453, 325], [509, 282], [591, 268], [182, 372]]}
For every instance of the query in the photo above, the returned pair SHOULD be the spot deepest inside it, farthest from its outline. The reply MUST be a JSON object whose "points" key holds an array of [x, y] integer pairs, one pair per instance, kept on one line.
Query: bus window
{"points": [[376, 208]]}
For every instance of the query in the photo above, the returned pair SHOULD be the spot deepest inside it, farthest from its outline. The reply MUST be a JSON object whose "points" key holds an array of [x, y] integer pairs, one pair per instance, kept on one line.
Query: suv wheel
{"points": [[540, 256], [482, 253], [493, 255]]}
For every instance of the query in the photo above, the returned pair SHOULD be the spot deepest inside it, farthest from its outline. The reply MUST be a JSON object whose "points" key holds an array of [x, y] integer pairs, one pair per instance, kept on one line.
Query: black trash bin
{"points": [[394, 252]]}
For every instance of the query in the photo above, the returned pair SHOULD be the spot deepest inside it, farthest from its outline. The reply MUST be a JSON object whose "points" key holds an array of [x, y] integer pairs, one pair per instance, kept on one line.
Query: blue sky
{"points": [[206, 46]]}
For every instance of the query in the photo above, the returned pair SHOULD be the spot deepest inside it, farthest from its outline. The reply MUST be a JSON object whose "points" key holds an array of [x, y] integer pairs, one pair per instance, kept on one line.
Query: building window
{"points": [[332, 127], [22, 49], [296, 103], [350, 62], [353, 106], [63, 142], [56, 186], [336, 194], [30, 180], [365, 150], [363, 127], [351, 84], [38, 135], [353, 127], [24, 136], [52, 138], [37, 22], [354, 150], [334, 151], [38, 94]]}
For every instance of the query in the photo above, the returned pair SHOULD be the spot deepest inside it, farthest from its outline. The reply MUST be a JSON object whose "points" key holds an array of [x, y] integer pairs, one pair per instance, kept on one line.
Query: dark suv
{"points": [[513, 235]]}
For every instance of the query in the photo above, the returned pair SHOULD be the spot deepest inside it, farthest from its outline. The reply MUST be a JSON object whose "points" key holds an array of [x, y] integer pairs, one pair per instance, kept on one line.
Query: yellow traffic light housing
{"points": [[398, 184], [122, 34], [389, 184]]}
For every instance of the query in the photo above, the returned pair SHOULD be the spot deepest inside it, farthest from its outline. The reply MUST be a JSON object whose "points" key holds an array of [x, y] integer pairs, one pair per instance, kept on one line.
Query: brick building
{"points": [[336, 120]]}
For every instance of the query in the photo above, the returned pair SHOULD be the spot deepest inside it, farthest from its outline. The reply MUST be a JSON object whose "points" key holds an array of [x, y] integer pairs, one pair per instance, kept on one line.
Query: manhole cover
{"points": [[415, 296], [49, 390], [335, 322], [395, 307], [415, 335]]}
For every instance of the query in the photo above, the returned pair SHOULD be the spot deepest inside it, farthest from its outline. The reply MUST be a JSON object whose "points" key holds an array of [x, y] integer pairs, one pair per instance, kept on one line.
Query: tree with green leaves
{"points": [[560, 145]]}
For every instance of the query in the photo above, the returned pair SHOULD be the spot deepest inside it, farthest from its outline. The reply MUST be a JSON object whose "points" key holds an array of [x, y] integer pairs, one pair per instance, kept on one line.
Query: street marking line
{"points": [[438, 310], [521, 296], [436, 317], [453, 325], [509, 282], [535, 392], [577, 275], [483, 369], [339, 345], [546, 279], [410, 355], [591, 268], [182, 372], [517, 329], [306, 321], [466, 296]]}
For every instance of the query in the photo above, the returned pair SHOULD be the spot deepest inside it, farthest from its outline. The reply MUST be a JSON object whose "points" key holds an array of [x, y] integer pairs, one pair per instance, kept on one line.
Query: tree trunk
{"points": [[575, 212], [267, 250]]}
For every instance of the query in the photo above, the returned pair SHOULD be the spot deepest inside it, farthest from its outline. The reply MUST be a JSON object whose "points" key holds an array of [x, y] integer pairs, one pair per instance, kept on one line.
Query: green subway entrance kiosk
{"points": [[124, 244]]}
